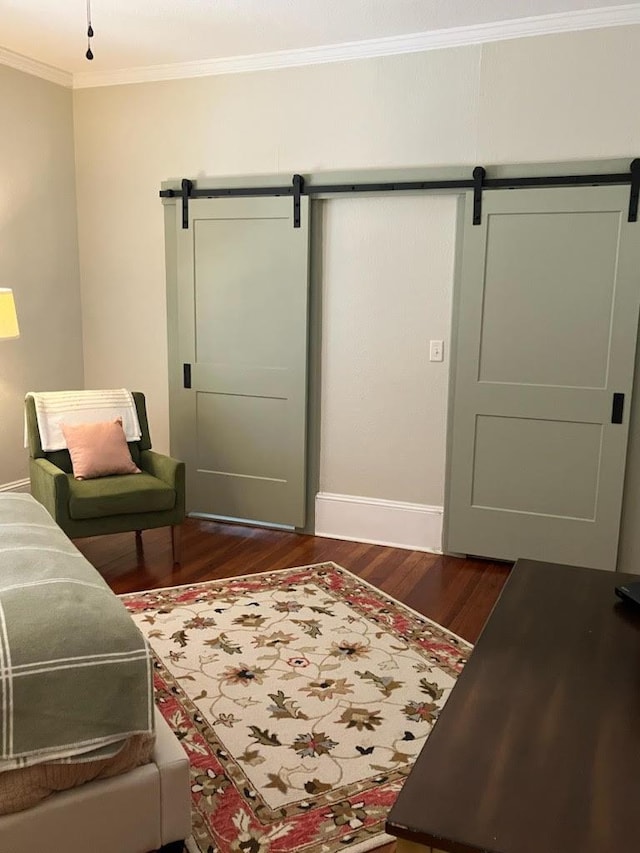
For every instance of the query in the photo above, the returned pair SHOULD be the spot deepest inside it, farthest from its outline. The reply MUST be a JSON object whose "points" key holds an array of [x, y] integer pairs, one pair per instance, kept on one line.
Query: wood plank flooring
{"points": [[456, 593]]}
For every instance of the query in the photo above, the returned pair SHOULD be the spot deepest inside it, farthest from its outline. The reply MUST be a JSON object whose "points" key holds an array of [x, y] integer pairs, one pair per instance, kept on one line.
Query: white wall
{"points": [[38, 253], [561, 97]]}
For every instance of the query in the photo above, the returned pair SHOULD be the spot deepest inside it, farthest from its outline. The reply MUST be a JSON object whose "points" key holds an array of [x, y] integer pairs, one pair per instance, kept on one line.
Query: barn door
{"points": [[242, 281], [547, 324]]}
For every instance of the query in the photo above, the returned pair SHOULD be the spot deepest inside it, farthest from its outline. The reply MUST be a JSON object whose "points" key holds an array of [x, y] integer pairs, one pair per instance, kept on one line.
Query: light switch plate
{"points": [[436, 350]]}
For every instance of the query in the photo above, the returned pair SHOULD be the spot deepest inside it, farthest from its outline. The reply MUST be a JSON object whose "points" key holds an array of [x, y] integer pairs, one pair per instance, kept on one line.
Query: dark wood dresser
{"points": [[538, 747]]}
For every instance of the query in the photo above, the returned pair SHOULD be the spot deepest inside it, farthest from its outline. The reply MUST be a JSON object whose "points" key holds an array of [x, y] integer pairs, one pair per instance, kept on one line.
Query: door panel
{"points": [[243, 435], [548, 310], [251, 277], [242, 306], [558, 460], [530, 290]]}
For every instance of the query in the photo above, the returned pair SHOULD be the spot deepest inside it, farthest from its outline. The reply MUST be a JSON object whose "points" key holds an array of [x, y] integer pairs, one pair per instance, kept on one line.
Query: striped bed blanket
{"points": [[75, 672]]}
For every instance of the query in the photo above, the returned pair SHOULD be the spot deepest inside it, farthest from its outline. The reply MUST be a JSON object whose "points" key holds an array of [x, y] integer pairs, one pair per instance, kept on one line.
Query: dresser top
{"points": [[538, 747]]}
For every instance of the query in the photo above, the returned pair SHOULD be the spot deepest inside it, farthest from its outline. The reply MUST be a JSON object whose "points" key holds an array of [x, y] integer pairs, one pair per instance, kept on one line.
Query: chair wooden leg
{"points": [[139, 546], [172, 847], [176, 543]]}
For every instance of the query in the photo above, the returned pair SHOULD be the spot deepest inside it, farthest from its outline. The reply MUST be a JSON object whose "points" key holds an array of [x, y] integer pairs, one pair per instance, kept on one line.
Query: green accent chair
{"points": [[116, 504]]}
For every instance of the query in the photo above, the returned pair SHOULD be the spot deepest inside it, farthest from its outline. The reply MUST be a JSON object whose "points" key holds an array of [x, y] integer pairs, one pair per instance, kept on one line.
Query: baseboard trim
{"points": [[16, 486], [417, 527]]}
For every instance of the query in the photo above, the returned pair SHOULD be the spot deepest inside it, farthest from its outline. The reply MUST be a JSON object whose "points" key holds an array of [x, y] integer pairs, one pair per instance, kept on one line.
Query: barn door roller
{"points": [[187, 186], [635, 190], [479, 174], [298, 189]]}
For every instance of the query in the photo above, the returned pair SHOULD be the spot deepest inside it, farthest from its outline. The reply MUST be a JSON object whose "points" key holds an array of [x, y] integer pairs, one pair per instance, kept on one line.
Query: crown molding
{"points": [[37, 69], [588, 19]]}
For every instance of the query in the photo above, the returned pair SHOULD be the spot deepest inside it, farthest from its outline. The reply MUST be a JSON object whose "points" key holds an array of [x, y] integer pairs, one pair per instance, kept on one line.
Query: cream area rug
{"points": [[302, 698]]}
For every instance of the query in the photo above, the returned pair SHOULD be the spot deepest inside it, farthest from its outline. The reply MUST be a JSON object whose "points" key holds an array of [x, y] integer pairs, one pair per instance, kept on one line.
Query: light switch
{"points": [[436, 350]]}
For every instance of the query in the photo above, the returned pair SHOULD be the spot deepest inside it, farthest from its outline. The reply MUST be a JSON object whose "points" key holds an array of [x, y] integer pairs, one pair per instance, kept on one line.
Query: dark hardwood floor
{"points": [[458, 594]]}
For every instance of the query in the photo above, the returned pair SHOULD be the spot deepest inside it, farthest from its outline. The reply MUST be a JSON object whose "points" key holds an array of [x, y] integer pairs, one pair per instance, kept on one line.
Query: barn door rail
{"points": [[478, 182]]}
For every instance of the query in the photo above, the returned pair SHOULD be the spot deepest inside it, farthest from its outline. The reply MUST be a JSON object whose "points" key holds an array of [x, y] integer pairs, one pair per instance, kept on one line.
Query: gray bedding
{"points": [[75, 672]]}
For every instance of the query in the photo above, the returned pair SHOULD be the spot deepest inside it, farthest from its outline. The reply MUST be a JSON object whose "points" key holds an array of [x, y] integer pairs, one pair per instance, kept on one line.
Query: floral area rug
{"points": [[302, 698]]}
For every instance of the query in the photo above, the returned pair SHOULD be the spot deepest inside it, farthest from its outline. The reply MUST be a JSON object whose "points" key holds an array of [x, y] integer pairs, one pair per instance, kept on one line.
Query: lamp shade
{"points": [[8, 317]]}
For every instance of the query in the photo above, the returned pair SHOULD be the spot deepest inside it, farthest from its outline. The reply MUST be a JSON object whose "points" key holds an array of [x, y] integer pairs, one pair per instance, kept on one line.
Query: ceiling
{"points": [[140, 33]]}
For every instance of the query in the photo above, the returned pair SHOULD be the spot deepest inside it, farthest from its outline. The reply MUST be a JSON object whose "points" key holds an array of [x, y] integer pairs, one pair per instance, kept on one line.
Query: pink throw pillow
{"points": [[98, 450]]}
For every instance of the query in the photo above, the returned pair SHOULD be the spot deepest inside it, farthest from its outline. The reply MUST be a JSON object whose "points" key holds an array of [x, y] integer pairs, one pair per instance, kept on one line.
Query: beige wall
{"points": [[387, 270], [38, 252], [562, 97]]}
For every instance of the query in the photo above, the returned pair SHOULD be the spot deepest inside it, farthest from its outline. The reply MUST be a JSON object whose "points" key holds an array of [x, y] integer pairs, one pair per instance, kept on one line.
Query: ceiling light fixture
{"points": [[89, 53]]}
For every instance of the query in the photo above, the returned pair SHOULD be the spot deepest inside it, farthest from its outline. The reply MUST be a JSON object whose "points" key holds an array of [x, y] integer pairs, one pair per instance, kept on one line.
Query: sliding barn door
{"points": [[242, 282], [546, 336]]}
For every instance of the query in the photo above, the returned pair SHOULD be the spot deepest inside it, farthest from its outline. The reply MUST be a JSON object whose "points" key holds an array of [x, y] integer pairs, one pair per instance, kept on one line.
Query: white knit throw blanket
{"points": [[83, 407]]}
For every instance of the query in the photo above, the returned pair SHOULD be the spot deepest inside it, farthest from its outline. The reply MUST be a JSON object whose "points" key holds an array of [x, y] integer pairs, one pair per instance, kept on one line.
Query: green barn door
{"points": [[242, 284], [546, 335]]}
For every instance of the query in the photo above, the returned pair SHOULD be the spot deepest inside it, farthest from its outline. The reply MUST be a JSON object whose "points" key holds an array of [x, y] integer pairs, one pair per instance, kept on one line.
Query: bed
{"points": [[86, 763]]}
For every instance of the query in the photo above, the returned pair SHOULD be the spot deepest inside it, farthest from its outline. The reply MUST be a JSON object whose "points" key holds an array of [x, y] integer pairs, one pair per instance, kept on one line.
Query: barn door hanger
{"points": [[632, 177], [478, 177], [188, 191], [187, 186], [298, 189], [635, 190]]}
